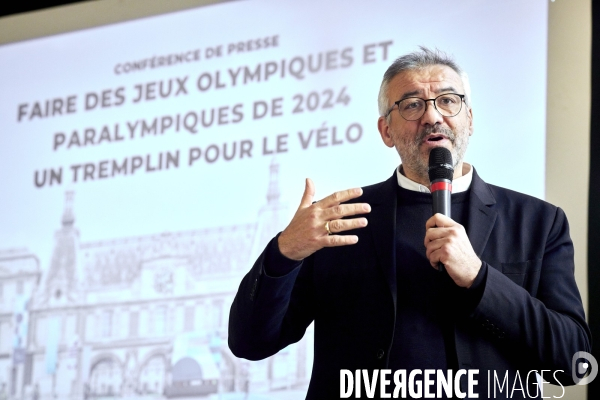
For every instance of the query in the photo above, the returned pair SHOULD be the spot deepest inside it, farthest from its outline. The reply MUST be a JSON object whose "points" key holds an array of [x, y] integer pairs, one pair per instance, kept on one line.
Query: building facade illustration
{"points": [[134, 317]]}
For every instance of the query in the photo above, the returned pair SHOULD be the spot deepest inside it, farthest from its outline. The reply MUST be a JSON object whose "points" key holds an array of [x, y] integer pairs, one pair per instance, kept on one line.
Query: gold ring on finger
{"points": [[327, 228]]}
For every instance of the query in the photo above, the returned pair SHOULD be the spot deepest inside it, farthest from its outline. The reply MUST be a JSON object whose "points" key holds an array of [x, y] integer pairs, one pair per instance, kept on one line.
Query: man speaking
{"points": [[365, 264]]}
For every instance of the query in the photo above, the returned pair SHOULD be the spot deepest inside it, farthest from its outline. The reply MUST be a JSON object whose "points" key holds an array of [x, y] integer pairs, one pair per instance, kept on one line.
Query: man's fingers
{"points": [[435, 258], [339, 240], [439, 220], [434, 233], [341, 225], [344, 210], [309, 193], [433, 247], [340, 197]]}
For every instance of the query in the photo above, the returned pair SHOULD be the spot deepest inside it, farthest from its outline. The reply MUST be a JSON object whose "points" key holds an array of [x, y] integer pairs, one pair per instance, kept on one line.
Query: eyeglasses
{"points": [[413, 108]]}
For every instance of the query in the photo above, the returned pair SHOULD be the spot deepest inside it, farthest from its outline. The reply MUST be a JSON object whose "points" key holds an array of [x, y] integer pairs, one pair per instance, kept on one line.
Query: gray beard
{"points": [[412, 159]]}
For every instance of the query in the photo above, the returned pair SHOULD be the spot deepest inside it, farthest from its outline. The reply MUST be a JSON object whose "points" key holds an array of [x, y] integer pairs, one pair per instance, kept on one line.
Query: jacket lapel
{"points": [[382, 223], [481, 216]]}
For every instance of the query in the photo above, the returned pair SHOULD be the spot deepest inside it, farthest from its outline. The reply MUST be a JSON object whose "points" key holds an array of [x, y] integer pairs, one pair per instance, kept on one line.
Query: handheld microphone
{"points": [[441, 173]]}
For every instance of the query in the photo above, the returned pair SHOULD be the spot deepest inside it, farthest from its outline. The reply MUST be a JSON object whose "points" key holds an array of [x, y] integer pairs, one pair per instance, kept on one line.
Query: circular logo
{"points": [[580, 366]]}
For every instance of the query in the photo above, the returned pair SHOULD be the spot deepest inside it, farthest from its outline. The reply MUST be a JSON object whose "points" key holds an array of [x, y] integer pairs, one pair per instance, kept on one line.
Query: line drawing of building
{"points": [[20, 274], [141, 316]]}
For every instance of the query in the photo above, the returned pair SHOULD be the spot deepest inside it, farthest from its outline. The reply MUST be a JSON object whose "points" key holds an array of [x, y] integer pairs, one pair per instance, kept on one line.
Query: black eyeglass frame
{"points": [[397, 103]]}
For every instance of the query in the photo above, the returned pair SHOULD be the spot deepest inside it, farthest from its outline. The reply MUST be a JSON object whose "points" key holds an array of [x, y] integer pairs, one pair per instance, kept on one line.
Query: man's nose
{"points": [[431, 115]]}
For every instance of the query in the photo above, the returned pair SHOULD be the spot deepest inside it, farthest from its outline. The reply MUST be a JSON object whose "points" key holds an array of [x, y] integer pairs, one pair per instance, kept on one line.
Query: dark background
{"points": [[21, 6], [10, 8], [594, 200]]}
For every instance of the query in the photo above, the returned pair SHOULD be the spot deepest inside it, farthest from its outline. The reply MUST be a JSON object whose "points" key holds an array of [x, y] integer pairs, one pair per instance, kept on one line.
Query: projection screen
{"points": [[144, 166]]}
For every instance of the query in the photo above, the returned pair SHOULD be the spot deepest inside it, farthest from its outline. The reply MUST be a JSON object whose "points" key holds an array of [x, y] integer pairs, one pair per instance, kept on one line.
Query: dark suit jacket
{"points": [[530, 315]]}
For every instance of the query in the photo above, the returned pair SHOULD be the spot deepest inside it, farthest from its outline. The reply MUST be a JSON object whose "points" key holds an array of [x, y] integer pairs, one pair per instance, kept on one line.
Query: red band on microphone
{"points": [[441, 186]]}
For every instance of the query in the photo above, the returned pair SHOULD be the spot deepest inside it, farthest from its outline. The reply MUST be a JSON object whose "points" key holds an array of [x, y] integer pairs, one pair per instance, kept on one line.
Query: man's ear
{"points": [[384, 131], [470, 114]]}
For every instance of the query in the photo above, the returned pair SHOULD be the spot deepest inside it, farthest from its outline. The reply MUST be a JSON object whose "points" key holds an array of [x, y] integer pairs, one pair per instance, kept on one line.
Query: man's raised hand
{"points": [[307, 232]]}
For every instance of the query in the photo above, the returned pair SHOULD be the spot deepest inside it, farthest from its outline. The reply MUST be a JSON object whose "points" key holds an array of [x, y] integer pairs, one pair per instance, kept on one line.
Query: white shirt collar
{"points": [[458, 185]]}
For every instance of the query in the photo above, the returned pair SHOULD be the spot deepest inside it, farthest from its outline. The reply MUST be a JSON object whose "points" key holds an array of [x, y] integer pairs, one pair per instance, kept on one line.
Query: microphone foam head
{"points": [[440, 164]]}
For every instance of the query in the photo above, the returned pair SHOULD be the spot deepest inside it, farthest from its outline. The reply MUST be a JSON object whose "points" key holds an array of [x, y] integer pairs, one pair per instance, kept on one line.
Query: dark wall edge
{"points": [[594, 201]]}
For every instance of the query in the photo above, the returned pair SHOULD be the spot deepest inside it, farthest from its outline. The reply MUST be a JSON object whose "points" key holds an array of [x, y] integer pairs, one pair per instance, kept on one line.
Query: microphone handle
{"points": [[442, 204]]}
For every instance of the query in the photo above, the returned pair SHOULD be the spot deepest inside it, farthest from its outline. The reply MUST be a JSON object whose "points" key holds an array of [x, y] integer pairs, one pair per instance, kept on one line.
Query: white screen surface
{"points": [[501, 45]]}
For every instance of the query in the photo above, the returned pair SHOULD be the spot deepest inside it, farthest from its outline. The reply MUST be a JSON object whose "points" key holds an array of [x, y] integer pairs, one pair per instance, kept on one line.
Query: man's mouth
{"points": [[434, 138]]}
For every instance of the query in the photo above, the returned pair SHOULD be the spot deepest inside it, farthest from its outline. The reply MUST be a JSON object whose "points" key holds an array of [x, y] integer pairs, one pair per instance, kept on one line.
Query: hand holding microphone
{"points": [[441, 173], [447, 245]]}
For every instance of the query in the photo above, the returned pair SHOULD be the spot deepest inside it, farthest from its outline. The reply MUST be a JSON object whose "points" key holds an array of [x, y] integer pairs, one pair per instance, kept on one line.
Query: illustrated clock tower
{"points": [[61, 282]]}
